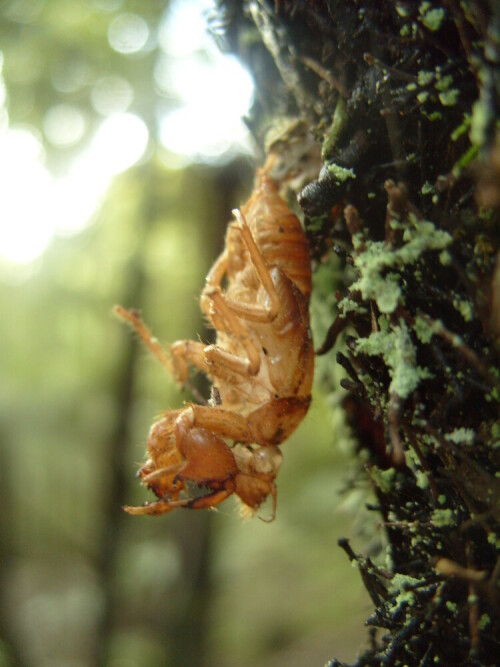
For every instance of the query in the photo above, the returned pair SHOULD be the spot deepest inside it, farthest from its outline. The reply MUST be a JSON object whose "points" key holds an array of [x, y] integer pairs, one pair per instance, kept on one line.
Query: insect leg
{"points": [[216, 356], [132, 318], [225, 423], [184, 352], [213, 280], [165, 505], [176, 364], [255, 313]]}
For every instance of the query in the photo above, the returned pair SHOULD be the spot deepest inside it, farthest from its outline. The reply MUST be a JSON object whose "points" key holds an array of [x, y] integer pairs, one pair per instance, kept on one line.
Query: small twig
{"points": [[336, 328], [371, 61], [394, 411], [423, 462], [324, 74], [458, 343], [448, 568]]}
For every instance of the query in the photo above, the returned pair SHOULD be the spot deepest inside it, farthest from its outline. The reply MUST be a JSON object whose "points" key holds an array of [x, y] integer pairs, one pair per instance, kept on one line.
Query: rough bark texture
{"points": [[403, 99]]}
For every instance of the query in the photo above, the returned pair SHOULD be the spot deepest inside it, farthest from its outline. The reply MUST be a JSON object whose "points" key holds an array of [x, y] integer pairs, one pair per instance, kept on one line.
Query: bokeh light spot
{"points": [[128, 33], [64, 125], [111, 94]]}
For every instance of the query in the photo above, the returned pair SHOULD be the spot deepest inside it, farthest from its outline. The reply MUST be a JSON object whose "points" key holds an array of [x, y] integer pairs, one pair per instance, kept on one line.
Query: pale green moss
{"points": [[479, 122], [451, 606], [347, 305], [403, 582], [435, 115], [465, 308], [464, 161], [384, 479], [421, 479], [443, 82], [340, 174], [419, 236], [423, 329], [332, 135], [494, 540], [424, 77], [448, 98], [483, 622], [461, 436], [399, 354], [383, 323], [461, 129], [431, 18], [442, 518], [445, 258]]}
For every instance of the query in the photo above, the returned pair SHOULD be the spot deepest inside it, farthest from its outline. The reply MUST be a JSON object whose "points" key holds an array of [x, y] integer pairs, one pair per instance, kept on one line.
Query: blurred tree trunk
{"points": [[9, 635], [403, 98], [117, 483]]}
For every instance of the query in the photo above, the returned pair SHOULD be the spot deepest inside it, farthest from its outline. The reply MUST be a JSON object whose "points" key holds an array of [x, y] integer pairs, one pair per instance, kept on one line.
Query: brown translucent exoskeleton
{"points": [[256, 297]]}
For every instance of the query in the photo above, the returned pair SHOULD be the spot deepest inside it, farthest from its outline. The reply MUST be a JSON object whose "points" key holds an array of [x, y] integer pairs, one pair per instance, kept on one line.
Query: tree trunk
{"points": [[403, 99]]}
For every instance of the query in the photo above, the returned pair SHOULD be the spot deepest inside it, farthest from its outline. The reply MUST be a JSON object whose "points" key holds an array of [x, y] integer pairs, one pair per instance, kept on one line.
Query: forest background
{"points": [[122, 154]]}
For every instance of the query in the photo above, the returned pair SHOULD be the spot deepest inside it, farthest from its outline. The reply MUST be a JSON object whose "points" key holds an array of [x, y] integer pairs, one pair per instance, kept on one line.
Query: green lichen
{"points": [[403, 582], [443, 517], [419, 237], [448, 98], [480, 120], [413, 462], [347, 305], [483, 622], [435, 115], [398, 352], [464, 161], [461, 436], [340, 174], [465, 308], [384, 479], [424, 77], [445, 258], [332, 135], [374, 283], [421, 479], [443, 82], [431, 18], [423, 329], [494, 540], [461, 129]]}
